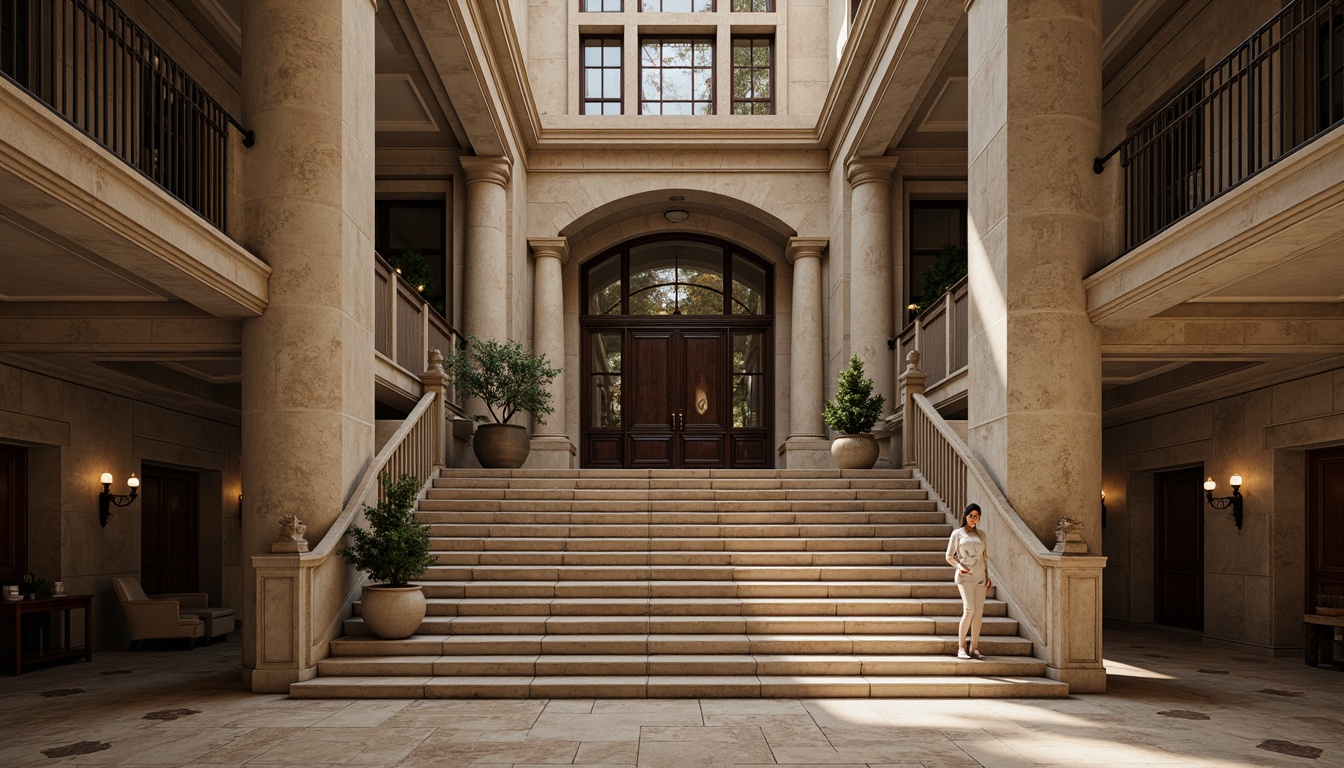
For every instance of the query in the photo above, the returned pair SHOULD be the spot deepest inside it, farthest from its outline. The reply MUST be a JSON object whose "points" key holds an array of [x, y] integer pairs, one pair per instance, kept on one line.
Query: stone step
{"points": [[899, 524], [698, 606], [676, 544], [679, 474], [693, 644], [695, 624], [439, 501], [835, 590], [885, 533], [677, 484], [935, 582], [677, 664], [670, 686], [897, 560], [714, 494]]}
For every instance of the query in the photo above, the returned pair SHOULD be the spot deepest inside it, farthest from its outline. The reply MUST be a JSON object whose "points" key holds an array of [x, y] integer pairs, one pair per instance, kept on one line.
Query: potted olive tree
{"points": [[853, 413], [394, 551], [507, 379]]}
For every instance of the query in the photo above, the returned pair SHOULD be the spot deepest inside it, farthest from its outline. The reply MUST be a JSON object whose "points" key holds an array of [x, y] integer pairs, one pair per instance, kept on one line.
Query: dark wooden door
{"points": [[169, 543], [676, 401], [1325, 525], [13, 512], [1179, 548]]}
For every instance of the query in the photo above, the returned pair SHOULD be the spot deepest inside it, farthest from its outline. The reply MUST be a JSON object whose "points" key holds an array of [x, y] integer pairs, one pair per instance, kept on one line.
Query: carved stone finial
{"points": [[291, 536], [912, 360], [1069, 537]]}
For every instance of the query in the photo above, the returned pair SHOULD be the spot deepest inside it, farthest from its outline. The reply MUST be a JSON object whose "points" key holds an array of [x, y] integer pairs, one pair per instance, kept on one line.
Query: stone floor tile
{"points": [[608, 752], [440, 752]]}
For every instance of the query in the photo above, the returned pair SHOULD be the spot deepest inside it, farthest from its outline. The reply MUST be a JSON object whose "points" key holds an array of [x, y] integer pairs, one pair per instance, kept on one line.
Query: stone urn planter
{"points": [[854, 451], [501, 446], [392, 613]]}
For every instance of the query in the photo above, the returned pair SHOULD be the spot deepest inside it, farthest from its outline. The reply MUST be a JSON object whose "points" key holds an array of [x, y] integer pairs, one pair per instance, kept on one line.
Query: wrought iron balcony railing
{"points": [[1275, 92], [95, 67]]}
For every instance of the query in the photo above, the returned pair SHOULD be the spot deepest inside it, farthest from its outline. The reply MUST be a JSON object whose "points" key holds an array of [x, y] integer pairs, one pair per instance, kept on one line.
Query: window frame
{"points": [[693, 39], [583, 74], [583, 7], [733, 100]]}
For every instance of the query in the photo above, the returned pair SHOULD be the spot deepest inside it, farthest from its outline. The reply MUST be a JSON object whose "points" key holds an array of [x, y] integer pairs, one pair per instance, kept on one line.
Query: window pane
{"points": [[611, 55], [604, 287], [748, 287], [606, 352], [748, 401], [676, 277], [604, 400], [749, 352], [611, 83], [677, 85], [611, 108], [592, 54]]}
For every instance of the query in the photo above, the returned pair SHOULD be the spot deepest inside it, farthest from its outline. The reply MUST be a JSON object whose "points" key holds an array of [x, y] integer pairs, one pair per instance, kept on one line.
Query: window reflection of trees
{"points": [[605, 379], [748, 379], [677, 278]]}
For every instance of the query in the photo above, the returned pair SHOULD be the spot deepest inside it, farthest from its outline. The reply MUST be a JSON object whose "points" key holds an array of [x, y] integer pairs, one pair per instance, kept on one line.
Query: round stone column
{"points": [[307, 364], [870, 285], [551, 446], [485, 268], [806, 446]]}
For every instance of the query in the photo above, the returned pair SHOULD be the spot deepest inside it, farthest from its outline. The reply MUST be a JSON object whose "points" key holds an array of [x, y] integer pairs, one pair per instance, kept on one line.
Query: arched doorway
{"points": [[677, 362]]}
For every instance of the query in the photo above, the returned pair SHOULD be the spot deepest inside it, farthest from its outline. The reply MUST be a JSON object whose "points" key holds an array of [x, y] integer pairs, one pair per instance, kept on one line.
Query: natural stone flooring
{"points": [[1172, 702]]}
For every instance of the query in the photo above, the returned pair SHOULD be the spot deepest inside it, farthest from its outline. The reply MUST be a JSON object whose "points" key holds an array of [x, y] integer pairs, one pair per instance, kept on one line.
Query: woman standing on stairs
{"points": [[967, 552]]}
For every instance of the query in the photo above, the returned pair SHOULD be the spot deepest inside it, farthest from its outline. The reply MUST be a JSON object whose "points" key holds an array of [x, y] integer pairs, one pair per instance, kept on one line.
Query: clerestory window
{"points": [[753, 76], [676, 76], [601, 89]]}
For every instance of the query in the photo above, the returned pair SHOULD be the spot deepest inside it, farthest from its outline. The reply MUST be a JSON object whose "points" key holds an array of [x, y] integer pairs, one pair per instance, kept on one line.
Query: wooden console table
{"points": [[1319, 636], [65, 603]]}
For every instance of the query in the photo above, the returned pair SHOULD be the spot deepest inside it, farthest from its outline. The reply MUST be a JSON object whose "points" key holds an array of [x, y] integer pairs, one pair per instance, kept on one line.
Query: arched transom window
{"points": [[677, 277]]}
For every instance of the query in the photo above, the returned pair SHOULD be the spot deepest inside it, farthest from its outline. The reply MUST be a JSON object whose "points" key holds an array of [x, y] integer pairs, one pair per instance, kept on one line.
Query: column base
{"points": [[551, 452], [1080, 679], [806, 452]]}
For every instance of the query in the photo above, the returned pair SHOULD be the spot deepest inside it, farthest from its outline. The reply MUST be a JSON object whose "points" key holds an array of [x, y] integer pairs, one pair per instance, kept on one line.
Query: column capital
{"points": [[805, 247], [555, 247], [863, 170], [496, 170]]}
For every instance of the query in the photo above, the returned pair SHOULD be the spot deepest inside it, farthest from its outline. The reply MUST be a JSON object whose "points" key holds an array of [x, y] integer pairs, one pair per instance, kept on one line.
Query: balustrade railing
{"points": [[1055, 595], [317, 588], [939, 333], [91, 64], [406, 327], [1275, 92]]}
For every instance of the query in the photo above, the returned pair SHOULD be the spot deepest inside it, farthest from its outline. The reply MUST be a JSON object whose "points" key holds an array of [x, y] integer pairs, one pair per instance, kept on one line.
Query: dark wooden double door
{"points": [[1178, 513], [169, 530], [690, 397]]}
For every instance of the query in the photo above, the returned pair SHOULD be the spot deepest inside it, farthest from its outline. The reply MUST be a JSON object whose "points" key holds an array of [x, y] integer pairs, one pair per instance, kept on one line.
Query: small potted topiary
{"points": [[853, 413], [508, 379], [394, 551]]}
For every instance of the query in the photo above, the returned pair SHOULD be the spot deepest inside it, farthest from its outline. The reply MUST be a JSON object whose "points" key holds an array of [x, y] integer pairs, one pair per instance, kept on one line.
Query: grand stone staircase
{"points": [[690, 583]]}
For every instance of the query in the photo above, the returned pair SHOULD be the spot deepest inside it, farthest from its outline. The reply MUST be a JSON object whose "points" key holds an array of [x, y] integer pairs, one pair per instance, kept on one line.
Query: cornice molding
{"points": [[495, 170], [868, 170], [806, 248], [553, 247]]}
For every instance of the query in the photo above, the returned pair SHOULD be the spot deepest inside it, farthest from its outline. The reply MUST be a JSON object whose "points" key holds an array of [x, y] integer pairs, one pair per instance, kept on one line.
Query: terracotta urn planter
{"points": [[501, 446], [854, 451], [392, 613]]}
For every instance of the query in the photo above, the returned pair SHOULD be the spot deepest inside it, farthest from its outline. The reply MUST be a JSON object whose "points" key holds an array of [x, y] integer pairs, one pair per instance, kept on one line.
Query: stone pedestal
{"points": [[307, 408], [871, 320], [806, 446]]}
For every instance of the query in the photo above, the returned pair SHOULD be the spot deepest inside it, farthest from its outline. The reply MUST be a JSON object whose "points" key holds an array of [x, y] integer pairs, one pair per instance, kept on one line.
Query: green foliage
{"points": [[396, 550], [941, 275], [410, 264], [855, 408], [505, 376], [30, 584]]}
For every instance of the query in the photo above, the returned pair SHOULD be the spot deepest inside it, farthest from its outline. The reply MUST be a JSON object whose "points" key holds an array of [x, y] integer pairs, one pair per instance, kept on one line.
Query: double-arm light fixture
{"points": [[106, 499], [1233, 501]]}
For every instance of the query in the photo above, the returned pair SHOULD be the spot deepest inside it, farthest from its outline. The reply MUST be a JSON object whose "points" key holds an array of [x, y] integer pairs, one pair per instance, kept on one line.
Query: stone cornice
{"points": [[496, 170], [866, 170], [555, 247], [806, 247]]}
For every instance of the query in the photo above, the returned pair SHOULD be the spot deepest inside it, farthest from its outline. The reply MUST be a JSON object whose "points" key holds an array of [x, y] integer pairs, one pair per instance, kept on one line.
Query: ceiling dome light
{"points": [[676, 215]]}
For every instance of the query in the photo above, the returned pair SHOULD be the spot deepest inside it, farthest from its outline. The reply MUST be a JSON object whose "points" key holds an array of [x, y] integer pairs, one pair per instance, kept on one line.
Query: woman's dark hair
{"points": [[969, 509]]}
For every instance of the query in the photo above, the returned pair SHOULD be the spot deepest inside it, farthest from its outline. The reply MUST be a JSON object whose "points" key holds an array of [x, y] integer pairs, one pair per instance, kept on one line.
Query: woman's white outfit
{"points": [[967, 550]]}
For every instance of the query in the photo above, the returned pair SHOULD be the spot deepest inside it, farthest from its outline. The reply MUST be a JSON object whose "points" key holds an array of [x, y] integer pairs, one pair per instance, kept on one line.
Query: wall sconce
{"points": [[1224, 502], [676, 215], [1103, 509], [106, 499]]}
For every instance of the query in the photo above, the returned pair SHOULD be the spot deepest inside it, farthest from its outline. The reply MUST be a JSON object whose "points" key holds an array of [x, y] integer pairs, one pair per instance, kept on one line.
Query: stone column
{"points": [[552, 448], [1034, 413], [870, 287], [485, 268], [307, 394], [806, 446]]}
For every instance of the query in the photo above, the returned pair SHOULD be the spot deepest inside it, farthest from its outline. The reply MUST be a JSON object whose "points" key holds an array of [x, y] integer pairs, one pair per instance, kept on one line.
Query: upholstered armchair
{"points": [[154, 618], [218, 621]]}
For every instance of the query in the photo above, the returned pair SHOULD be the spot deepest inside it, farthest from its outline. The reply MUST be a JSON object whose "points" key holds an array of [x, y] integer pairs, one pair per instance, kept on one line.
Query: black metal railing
{"points": [[95, 67], [1279, 89]]}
